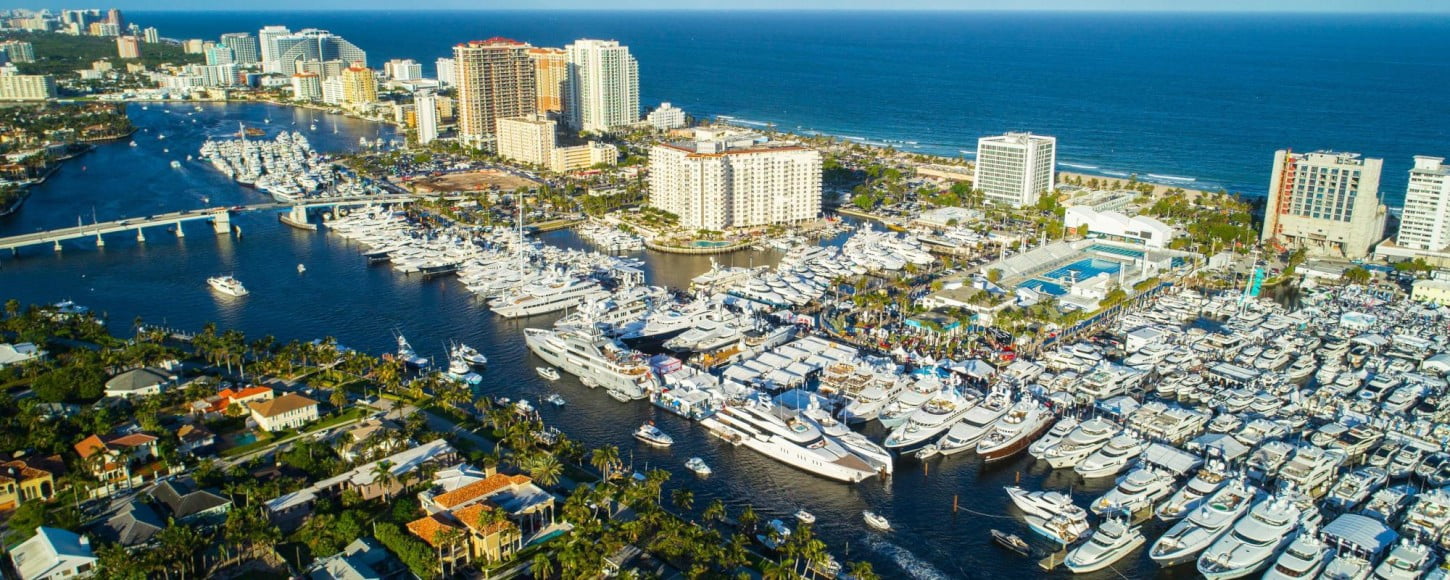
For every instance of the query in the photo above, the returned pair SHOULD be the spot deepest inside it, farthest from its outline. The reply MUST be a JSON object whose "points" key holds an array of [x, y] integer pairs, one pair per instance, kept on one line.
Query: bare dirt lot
{"points": [[471, 181]]}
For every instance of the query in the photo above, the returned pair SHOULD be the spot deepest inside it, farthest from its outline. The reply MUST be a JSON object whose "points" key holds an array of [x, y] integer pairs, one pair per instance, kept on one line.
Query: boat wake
{"points": [[1172, 177], [1076, 165], [904, 559]]}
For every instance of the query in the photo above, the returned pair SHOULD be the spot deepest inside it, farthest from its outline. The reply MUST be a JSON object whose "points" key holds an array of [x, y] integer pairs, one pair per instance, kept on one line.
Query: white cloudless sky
{"points": [[1330, 6]]}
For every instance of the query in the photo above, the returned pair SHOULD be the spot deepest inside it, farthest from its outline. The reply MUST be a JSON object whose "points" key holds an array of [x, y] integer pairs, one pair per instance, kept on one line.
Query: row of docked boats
{"points": [[286, 167]]}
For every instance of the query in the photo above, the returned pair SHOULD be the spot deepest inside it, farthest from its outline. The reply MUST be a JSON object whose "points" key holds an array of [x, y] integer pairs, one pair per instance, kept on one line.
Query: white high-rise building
{"points": [[151, 35], [306, 86], [1016, 168], [1425, 222], [332, 91], [425, 111], [723, 181], [267, 43], [1325, 202], [244, 47], [603, 85], [443, 67], [405, 69]]}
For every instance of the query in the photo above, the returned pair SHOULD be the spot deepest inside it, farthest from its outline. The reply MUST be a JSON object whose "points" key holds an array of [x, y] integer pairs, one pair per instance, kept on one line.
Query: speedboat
{"points": [[1304, 558], [1012, 542], [1015, 431], [548, 373], [1113, 457], [1253, 542], [1113, 540], [470, 355], [1190, 536], [1135, 492], [698, 466], [652, 435], [1085, 440], [876, 521], [774, 535], [555, 399], [805, 517], [227, 285]]}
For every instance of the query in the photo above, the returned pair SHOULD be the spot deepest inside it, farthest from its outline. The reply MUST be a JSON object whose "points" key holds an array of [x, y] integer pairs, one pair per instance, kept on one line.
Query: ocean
{"points": [[1201, 97]]}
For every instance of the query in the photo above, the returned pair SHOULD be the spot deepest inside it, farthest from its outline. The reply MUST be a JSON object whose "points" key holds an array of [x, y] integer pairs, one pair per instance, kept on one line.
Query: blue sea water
{"points": [[1208, 97]]}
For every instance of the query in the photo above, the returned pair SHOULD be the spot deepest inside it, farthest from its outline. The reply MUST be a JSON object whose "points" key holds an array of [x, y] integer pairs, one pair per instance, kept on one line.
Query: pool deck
{"points": [[698, 250]]}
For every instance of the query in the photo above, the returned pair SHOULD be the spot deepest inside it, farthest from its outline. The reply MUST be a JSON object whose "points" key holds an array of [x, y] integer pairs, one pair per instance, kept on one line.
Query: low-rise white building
{"points": [[667, 117], [1117, 226], [142, 382]]}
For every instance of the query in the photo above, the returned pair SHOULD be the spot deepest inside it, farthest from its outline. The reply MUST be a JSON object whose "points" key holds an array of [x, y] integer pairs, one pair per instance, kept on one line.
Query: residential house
{"points": [[461, 487], [140, 382], [289, 411], [184, 502], [135, 524], [53, 553], [20, 482], [17, 354], [363, 559], [371, 436], [120, 461], [194, 439], [224, 400], [292, 507]]}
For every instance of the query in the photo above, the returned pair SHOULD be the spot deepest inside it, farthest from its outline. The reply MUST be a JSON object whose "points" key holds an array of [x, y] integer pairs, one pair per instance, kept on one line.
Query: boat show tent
{"points": [[1363, 535], [1171, 459], [1221, 445], [974, 368]]}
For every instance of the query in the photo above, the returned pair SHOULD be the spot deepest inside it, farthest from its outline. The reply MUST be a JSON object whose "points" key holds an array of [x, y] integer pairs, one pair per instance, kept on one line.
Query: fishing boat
{"points": [[652, 435], [876, 521], [1012, 542], [698, 466], [548, 373]]}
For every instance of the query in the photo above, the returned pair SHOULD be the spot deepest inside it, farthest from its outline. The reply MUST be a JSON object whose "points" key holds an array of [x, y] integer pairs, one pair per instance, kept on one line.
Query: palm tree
{"points": [[683, 499], [542, 567], [748, 518], [861, 570], [383, 475], [604, 459], [715, 511], [546, 469]]}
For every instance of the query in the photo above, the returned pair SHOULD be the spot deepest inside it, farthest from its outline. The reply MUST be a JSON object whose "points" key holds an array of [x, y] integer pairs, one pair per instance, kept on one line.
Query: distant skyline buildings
{"points": [[244, 47], [494, 80], [1214, 6]]}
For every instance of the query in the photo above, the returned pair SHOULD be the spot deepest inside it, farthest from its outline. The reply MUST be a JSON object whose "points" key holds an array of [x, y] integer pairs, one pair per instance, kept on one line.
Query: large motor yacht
{"points": [[595, 359]]}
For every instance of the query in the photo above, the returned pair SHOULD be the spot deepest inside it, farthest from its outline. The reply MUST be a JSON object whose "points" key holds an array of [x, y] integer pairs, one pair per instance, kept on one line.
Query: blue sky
{"points": [[1373, 6]]}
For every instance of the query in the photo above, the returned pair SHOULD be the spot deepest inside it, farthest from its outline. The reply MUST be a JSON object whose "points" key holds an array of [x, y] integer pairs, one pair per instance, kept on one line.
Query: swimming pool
{"points": [[1082, 270], [1044, 287], [1116, 251], [708, 244]]}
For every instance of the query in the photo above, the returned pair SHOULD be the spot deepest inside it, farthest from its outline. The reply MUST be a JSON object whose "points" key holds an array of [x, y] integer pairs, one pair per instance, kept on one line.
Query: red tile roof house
{"points": [[120, 461]]}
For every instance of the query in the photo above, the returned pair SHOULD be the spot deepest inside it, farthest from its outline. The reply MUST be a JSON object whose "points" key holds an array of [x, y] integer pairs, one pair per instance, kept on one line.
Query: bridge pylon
{"points": [[221, 222]]}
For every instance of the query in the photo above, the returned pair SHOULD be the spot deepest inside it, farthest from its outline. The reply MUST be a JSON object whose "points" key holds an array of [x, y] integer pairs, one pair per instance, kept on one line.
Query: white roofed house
{"points": [[21, 353], [54, 553], [140, 382]]}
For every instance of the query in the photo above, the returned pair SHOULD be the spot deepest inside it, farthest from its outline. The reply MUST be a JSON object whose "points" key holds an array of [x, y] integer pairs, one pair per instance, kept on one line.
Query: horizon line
{"points": [[1168, 11]]}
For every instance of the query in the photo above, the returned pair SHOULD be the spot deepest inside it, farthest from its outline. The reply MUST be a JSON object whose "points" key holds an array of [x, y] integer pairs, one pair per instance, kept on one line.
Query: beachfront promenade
{"points": [[220, 219]]}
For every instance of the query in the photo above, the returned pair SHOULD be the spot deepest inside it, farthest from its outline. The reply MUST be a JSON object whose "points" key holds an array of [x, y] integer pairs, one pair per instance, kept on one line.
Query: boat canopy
{"points": [[1361, 533], [1172, 459], [1219, 445]]}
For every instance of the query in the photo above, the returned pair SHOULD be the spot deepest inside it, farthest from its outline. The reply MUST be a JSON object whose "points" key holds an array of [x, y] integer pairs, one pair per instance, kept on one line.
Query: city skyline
{"points": [[1101, 6]]}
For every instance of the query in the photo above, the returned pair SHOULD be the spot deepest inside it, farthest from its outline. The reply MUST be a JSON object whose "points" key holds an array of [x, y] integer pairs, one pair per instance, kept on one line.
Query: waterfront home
{"points": [[363, 559], [225, 398], [18, 354], [491, 536], [289, 411], [142, 382], [22, 481], [111, 459], [53, 553], [460, 487], [369, 438], [292, 507], [183, 502]]}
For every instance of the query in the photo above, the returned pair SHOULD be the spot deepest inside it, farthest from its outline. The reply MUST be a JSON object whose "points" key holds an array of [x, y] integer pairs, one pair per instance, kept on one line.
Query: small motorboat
{"points": [[470, 355], [876, 521], [618, 395], [805, 517], [698, 466], [928, 452], [301, 268], [652, 435], [548, 373], [555, 399], [1012, 542]]}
